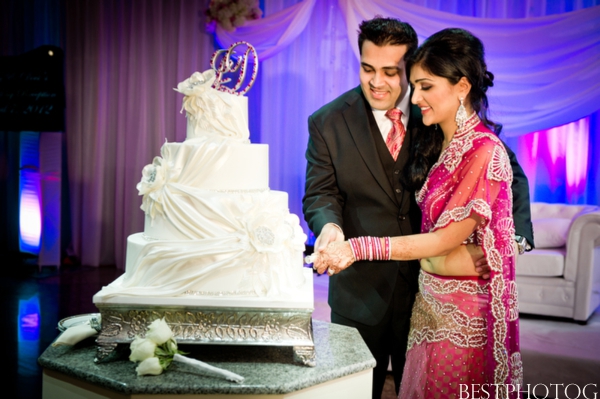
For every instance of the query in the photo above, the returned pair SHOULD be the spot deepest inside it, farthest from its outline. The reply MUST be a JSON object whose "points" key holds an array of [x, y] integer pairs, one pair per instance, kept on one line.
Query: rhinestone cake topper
{"points": [[228, 63]]}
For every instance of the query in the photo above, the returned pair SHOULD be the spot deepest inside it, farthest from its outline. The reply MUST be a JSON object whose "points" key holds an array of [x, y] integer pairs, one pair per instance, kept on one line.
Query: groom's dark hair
{"points": [[385, 31]]}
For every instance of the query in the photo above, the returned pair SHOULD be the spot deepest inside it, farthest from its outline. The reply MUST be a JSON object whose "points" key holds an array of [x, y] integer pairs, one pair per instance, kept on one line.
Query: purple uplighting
{"points": [[577, 156], [556, 162]]}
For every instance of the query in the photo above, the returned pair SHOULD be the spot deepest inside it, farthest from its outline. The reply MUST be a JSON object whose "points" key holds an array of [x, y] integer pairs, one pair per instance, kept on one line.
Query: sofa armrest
{"points": [[582, 263], [584, 236]]}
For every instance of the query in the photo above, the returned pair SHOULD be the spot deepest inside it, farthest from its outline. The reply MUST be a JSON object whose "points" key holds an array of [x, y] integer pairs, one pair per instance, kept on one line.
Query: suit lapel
{"points": [[357, 120]]}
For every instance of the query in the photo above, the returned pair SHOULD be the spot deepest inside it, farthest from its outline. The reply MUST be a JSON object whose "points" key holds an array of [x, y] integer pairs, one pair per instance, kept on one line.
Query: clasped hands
{"points": [[332, 254], [334, 258]]}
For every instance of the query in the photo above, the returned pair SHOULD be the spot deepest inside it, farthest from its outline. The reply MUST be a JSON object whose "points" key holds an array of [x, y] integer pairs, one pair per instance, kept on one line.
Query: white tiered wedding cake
{"points": [[213, 227]]}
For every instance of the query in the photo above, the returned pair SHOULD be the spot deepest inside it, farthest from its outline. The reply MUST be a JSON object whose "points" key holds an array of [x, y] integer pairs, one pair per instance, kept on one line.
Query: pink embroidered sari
{"points": [[464, 330]]}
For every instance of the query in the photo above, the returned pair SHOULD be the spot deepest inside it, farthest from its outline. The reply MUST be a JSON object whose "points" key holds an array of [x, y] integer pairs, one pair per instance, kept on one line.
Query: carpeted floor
{"points": [[558, 351], [555, 351]]}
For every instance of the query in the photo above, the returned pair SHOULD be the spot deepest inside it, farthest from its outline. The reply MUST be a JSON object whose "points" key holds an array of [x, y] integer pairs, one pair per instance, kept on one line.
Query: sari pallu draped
{"points": [[464, 330]]}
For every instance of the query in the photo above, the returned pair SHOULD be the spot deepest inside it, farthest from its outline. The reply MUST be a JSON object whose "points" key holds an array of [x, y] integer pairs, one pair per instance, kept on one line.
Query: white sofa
{"points": [[561, 276]]}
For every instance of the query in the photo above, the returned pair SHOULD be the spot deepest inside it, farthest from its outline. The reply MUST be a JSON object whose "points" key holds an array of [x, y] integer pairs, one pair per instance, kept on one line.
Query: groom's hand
{"points": [[330, 233]]}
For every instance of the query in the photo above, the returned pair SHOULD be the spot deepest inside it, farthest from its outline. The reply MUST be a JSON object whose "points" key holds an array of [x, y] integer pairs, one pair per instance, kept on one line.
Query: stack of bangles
{"points": [[370, 248]]}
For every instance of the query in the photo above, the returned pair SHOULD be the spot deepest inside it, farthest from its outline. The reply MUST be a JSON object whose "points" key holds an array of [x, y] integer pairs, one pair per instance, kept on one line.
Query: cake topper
{"points": [[229, 65]]}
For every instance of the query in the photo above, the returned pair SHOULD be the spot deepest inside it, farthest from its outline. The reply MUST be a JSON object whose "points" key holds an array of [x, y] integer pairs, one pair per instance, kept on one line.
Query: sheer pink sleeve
{"points": [[477, 181]]}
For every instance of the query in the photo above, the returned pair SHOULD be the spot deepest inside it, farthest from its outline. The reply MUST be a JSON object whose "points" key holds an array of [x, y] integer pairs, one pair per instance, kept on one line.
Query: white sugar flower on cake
{"points": [[270, 231], [154, 179], [297, 237]]}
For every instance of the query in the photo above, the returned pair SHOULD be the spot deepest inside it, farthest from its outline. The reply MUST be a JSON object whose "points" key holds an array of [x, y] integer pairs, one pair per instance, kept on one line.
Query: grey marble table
{"points": [[340, 352]]}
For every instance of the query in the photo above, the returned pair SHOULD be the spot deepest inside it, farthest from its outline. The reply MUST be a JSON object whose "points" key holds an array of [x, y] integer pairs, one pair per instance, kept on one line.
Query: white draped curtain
{"points": [[540, 63], [124, 58]]}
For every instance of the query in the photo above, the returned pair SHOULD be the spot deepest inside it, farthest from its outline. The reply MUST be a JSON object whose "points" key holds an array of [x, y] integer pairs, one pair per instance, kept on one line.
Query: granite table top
{"points": [[340, 351]]}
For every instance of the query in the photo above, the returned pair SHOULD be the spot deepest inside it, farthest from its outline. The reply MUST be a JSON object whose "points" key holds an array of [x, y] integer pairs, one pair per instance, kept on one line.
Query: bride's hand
{"points": [[336, 257], [481, 264]]}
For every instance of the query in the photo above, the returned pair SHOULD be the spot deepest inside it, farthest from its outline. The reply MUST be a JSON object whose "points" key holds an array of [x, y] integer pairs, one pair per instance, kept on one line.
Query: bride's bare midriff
{"points": [[459, 262]]}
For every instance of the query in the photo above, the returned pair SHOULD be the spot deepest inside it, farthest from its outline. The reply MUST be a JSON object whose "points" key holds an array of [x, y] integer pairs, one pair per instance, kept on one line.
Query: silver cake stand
{"points": [[225, 321]]}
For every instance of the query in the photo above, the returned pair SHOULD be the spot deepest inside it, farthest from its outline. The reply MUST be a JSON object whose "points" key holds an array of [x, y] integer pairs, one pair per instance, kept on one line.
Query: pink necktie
{"points": [[396, 135]]}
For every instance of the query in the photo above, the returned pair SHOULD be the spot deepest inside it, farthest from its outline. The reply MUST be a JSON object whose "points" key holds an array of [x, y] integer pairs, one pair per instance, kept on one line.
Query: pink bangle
{"points": [[376, 245], [388, 248], [370, 248], [379, 248], [354, 248]]}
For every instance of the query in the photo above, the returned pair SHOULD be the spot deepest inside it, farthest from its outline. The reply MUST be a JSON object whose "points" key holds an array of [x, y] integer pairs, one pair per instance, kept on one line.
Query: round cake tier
{"points": [[221, 165], [211, 269], [220, 114], [207, 243]]}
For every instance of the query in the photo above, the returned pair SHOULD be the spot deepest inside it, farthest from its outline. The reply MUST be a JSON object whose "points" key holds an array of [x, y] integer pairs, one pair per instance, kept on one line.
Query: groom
{"points": [[353, 189]]}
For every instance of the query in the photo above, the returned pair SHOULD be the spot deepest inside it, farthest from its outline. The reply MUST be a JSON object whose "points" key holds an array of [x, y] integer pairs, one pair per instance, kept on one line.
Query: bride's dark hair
{"points": [[450, 53]]}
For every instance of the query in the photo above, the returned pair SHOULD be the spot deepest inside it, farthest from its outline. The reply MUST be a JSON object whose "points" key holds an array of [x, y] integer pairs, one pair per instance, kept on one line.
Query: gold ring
{"points": [[330, 272]]}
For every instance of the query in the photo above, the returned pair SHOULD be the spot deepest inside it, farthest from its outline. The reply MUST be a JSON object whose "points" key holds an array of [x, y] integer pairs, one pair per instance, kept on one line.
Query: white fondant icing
{"points": [[218, 165]]}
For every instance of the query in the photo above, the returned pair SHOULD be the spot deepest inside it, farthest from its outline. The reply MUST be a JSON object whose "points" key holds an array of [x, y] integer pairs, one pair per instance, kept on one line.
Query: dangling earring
{"points": [[461, 115]]}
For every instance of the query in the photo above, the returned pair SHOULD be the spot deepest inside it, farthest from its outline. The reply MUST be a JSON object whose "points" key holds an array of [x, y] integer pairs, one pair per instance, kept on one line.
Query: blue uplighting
{"points": [[30, 217], [29, 319]]}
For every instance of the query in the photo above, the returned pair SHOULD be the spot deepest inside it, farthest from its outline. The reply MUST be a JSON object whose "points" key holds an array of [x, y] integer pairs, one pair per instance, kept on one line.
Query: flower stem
{"points": [[207, 369]]}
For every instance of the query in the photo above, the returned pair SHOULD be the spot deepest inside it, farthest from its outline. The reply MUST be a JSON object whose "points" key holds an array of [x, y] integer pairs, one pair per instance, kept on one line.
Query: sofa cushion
{"points": [[541, 263], [550, 232]]}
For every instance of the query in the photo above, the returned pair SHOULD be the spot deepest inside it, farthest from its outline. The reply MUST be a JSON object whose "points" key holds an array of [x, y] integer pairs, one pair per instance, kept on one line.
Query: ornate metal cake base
{"points": [[211, 326]]}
